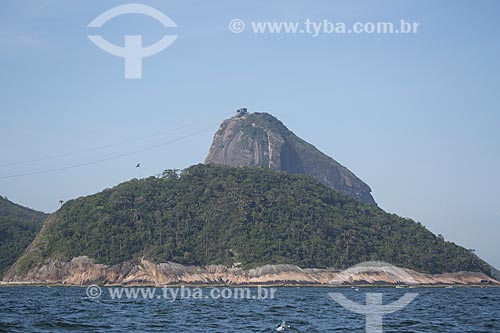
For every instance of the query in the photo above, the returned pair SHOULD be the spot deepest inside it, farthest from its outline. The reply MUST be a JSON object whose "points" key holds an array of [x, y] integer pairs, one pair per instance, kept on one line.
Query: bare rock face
{"points": [[259, 139], [83, 271]]}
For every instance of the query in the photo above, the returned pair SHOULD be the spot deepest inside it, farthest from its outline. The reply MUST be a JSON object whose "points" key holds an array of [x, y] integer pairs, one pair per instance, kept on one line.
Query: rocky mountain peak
{"points": [[259, 139]]}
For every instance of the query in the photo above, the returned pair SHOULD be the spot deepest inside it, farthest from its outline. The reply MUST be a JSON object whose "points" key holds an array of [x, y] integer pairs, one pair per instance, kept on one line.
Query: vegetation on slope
{"points": [[222, 215], [18, 227]]}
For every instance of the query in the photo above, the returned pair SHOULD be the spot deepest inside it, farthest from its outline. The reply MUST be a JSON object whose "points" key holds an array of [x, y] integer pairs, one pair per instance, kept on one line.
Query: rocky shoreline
{"points": [[83, 271]]}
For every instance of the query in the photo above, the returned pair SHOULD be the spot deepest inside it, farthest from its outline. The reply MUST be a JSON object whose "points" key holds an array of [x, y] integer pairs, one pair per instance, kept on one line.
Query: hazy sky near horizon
{"points": [[415, 116]]}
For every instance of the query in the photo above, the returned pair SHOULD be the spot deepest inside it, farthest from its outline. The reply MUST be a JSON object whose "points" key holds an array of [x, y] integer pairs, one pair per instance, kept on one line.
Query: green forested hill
{"points": [[222, 215], [18, 226]]}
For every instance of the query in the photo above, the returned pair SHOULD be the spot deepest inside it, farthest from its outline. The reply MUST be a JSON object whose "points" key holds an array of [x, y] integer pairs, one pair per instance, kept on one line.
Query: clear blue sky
{"points": [[415, 116]]}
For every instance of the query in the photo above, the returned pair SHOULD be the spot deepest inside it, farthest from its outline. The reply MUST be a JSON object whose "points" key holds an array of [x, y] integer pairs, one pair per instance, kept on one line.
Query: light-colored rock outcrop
{"points": [[83, 271]]}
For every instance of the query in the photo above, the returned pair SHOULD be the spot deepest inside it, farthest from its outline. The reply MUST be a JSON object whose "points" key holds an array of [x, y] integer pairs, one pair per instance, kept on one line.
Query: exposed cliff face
{"points": [[259, 139], [83, 271]]}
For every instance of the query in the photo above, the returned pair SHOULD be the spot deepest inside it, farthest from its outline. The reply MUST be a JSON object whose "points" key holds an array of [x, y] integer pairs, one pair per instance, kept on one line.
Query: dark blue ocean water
{"points": [[68, 309]]}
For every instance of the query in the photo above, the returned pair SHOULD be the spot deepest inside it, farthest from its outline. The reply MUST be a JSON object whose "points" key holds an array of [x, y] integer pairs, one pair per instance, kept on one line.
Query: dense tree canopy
{"points": [[18, 227], [221, 215]]}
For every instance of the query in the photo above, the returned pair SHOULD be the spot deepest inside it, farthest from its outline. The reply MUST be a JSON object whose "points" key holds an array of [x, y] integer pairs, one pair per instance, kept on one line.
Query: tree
{"points": [[170, 174]]}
